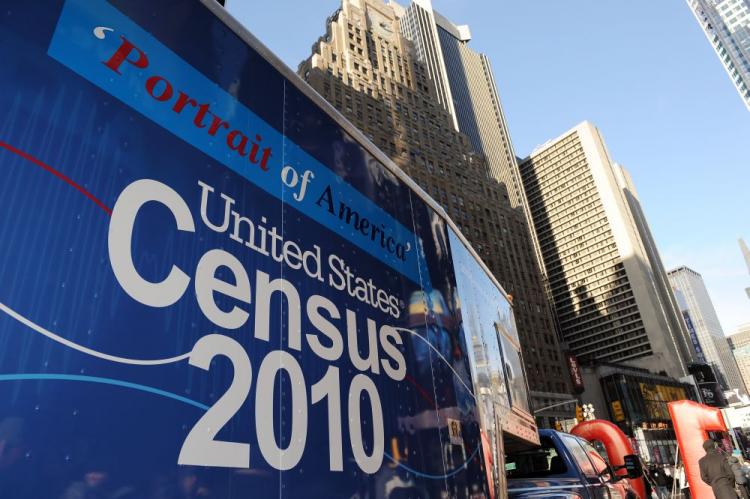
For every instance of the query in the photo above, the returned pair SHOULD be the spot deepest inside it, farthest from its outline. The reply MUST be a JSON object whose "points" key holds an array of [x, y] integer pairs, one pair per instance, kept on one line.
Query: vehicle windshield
{"points": [[540, 462]]}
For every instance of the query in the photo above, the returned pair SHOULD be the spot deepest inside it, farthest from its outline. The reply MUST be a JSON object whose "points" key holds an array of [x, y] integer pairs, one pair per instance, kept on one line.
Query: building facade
{"points": [[606, 280], [477, 106], [417, 24], [741, 337], [726, 24], [711, 337], [653, 267], [636, 401], [746, 256], [739, 342], [479, 114], [690, 324], [373, 74]]}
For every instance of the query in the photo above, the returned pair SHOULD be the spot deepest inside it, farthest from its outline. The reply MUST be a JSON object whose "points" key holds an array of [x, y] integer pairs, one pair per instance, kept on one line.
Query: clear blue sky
{"points": [[642, 71]]}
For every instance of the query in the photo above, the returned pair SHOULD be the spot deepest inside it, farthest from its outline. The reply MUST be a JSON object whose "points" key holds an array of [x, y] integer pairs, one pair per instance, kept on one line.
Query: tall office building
{"points": [[604, 273], [477, 106], [739, 342], [366, 67], [682, 305], [710, 335], [417, 24], [726, 24], [741, 337], [653, 267], [746, 256]]}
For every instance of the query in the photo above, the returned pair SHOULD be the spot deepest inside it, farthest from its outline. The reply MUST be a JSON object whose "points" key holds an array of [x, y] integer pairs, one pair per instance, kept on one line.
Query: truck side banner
{"points": [[211, 287]]}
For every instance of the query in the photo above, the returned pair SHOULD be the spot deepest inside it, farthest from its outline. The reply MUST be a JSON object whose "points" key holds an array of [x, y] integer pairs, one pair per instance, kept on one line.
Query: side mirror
{"points": [[633, 466], [608, 475]]}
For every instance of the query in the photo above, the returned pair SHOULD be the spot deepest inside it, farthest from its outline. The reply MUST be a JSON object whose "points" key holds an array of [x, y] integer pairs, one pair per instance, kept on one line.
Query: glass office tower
{"points": [[726, 24]]}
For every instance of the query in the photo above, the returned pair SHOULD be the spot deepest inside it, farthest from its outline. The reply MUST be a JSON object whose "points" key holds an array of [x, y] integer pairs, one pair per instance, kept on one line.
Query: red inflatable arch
{"points": [[692, 422], [615, 442], [488, 464]]}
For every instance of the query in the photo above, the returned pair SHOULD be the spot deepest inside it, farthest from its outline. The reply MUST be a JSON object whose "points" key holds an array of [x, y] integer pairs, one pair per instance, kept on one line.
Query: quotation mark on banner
{"points": [[100, 32]]}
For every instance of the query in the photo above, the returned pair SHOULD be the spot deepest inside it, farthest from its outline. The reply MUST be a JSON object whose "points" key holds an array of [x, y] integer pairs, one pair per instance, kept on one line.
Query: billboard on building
{"points": [[709, 387], [576, 374], [211, 284], [737, 417]]}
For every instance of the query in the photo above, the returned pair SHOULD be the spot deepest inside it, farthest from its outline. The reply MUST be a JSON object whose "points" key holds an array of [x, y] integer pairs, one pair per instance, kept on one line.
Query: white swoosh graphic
{"points": [[414, 333], [154, 362], [75, 346]]}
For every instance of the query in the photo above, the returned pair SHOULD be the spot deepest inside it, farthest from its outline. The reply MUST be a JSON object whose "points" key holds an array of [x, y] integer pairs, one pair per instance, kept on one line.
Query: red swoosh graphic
{"points": [[57, 174]]}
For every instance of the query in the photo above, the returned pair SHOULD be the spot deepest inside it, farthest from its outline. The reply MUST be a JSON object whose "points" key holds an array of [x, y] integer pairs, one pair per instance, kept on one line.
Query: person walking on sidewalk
{"points": [[716, 472]]}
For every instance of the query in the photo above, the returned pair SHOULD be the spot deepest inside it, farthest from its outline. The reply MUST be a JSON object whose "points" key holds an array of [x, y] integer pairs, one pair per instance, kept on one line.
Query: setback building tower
{"points": [[375, 76]]}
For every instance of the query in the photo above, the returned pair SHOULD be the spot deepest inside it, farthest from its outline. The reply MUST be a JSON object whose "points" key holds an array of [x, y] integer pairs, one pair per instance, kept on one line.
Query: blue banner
{"points": [[99, 43], [209, 288]]}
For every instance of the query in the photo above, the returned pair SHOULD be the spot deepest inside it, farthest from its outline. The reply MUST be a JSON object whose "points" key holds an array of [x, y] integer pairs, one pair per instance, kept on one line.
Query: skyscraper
{"points": [[739, 342], [477, 106], [714, 344], [612, 300], [417, 24], [685, 311], [741, 337], [373, 74], [653, 267], [726, 24], [746, 256]]}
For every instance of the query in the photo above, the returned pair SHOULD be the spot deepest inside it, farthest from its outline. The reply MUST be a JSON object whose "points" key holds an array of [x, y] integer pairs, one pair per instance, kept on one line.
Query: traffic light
{"points": [[579, 413]]}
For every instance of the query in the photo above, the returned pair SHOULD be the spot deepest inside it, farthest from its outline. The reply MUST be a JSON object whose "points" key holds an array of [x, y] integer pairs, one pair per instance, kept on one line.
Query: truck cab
{"points": [[563, 466]]}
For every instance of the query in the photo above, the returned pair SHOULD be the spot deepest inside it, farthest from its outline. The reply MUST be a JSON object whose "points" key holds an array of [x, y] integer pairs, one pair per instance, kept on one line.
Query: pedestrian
{"points": [[650, 492], [716, 472], [662, 481], [739, 476]]}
